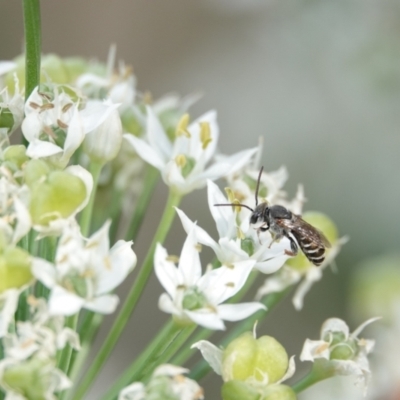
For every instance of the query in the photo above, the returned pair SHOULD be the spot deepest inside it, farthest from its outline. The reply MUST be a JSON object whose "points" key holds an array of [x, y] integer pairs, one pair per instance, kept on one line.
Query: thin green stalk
{"points": [[86, 216], [33, 42], [132, 299], [66, 352], [322, 369], [202, 368], [150, 180], [169, 338]]}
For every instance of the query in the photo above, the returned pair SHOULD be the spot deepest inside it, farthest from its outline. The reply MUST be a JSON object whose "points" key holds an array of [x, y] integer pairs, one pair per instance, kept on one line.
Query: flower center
{"points": [[193, 299]]}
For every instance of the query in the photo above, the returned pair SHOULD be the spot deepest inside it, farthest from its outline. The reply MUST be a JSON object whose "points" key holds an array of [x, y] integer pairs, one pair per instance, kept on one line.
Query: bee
{"points": [[283, 223]]}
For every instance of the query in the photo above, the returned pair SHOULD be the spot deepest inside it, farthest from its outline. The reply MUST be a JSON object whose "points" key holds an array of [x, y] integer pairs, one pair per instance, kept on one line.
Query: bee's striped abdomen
{"points": [[313, 251]]}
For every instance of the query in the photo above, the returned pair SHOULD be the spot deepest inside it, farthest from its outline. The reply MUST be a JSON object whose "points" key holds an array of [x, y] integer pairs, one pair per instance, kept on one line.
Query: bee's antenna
{"points": [[235, 204], [258, 184]]}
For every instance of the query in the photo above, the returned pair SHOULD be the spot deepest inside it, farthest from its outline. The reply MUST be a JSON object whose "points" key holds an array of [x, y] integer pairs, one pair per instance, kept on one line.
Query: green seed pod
{"points": [[16, 155], [247, 357], [278, 392], [15, 268], [57, 197], [238, 390], [35, 170]]}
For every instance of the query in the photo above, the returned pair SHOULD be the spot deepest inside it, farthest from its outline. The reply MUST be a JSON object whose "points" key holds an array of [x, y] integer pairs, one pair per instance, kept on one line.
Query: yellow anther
{"points": [[239, 234], [230, 284], [172, 258], [205, 134], [180, 160], [61, 124], [198, 247], [66, 107], [88, 274], [232, 199], [182, 127], [147, 97], [45, 107]]}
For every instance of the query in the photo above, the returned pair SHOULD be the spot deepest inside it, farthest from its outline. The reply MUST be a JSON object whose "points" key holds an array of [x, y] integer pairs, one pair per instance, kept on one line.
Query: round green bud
{"points": [[16, 154], [57, 197], [74, 66], [375, 289], [323, 223], [53, 66], [30, 378], [6, 119], [160, 388], [344, 351], [35, 170], [15, 268], [239, 390], [247, 357], [278, 392]]}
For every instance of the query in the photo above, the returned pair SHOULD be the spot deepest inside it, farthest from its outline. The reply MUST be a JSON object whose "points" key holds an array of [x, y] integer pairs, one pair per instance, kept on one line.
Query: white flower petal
{"points": [[211, 353], [157, 137], [166, 272], [62, 302], [44, 271], [167, 305], [38, 149], [334, 325], [290, 371], [189, 261], [237, 312], [206, 318], [105, 304], [313, 349], [146, 152]]}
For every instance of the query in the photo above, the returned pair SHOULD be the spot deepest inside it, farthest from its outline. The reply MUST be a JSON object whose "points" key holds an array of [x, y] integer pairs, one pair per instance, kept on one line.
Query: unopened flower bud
{"points": [[57, 197], [31, 379], [15, 268], [262, 359], [324, 224], [103, 143], [16, 155], [35, 170]]}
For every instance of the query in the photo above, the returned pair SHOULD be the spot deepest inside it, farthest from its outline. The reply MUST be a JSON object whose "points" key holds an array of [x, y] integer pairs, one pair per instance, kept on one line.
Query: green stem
{"points": [[86, 217], [33, 42], [132, 299], [150, 181], [66, 352], [167, 341], [202, 367], [321, 370]]}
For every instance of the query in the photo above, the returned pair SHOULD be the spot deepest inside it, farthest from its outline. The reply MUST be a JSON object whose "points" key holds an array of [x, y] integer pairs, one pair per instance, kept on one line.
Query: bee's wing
{"points": [[303, 229]]}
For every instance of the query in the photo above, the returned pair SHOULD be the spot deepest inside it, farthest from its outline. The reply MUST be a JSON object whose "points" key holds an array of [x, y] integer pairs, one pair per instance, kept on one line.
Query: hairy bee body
{"points": [[283, 223]]}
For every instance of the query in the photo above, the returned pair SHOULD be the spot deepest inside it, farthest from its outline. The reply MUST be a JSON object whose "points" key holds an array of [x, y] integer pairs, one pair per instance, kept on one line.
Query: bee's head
{"points": [[260, 214]]}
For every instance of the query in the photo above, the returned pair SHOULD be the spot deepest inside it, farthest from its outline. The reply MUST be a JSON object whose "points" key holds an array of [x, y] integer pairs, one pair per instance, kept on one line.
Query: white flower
{"points": [[166, 380], [13, 104], [15, 220], [103, 143], [85, 272], [214, 357], [288, 276], [116, 85], [55, 127], [344, 352], [8, 306], [191, 296], [31, 352], [183, 162], [235, 240]]}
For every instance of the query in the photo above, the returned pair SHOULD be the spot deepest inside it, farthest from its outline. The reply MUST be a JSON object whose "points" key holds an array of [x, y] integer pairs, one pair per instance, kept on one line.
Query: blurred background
{"points": [[318, 79]]}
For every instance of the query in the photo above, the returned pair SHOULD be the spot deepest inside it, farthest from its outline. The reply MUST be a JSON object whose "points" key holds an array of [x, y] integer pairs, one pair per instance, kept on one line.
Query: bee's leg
{"points": [[276, 238], [293, 246], [262, 228]]}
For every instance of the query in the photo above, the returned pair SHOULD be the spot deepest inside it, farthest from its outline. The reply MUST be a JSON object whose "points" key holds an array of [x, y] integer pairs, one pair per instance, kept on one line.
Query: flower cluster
{"points": [[79, 181]]}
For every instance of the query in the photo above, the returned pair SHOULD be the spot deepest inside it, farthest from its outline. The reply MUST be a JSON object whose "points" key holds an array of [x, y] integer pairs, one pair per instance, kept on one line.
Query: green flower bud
{"points": [[344, 351], [30, 378], [247, 357], [375, 289], [323, 223], [59, 196], [15, 268], [160, 388], [16, 155], [278, 392], [130, 123], [35, 170], [238, 390], [6, 119]]}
